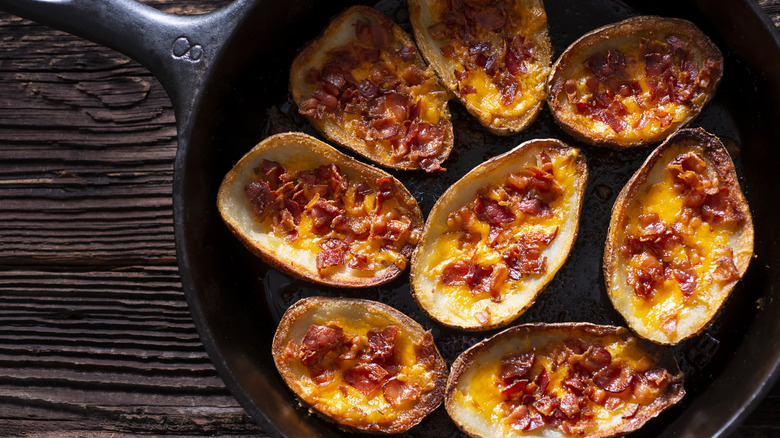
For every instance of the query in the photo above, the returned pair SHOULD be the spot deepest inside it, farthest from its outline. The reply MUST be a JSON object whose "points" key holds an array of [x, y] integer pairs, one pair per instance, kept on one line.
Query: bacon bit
{"points": [[613, 378], [398, 392], [546, 405], [413, 75], [425, 351], [483, 316], [360, 262], [467, 89], [595, 359], [448, 52], [407, 53], [670, 324], [333, 253], [383, 343], [259, 194], [461, 75], [520, 418], [318, 341], [570, 87], [648, 273], [570, 405], [725, 269], [517, 365], [685, 275], [379, 36], [508, 87], [657, 376], [491, 19], [491, 212], [366, 378]]}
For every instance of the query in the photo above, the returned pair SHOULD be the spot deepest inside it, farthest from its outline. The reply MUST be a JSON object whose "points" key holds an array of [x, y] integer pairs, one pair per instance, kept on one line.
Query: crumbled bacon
{"points": [[366, 378], [527, 192], [318, 341], [483, 37], [383, 343], [339, 217], [398, 392], [382, 102]]}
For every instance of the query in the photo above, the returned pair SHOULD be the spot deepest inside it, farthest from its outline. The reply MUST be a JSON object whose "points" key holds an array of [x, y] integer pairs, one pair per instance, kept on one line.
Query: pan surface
{"points": [[237, 300]]}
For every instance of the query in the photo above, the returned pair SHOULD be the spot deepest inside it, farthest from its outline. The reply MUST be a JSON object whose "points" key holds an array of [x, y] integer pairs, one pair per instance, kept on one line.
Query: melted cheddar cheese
{"points": [[308, 241], [481, 388], [340, 400], [701, 244], [525, 19], [623, 95], [453, 246]]}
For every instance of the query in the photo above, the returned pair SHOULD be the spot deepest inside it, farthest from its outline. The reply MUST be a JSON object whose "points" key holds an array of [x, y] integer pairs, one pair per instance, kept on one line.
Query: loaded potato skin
{"points": [[494, 56], [561, 380], [311, 211], [363, 84], [680, 238], [359, 363], [496, 237], [634, 82]]}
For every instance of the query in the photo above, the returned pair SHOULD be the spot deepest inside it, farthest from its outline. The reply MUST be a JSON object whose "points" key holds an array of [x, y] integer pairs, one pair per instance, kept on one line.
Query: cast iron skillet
{"points": [[226, 73]]}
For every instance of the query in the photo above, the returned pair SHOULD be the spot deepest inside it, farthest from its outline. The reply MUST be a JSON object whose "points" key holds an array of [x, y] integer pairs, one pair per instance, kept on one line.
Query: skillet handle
{"points": [[179, 50]]}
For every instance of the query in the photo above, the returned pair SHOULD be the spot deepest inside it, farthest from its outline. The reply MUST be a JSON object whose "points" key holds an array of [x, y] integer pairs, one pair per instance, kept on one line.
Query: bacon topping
{"points": [[589, 378], [340, 218], [366, 363], [527, 192], [483, 36], [384, 109], [671, 76], [652, 249]]}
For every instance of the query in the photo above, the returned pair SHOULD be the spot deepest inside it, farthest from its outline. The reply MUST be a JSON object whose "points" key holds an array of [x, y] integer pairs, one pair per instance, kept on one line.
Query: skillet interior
{"points": [[237, 301]]}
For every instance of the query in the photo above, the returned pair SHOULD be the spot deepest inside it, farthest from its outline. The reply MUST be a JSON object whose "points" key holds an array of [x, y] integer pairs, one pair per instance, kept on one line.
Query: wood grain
{"points": [[95, 336]]}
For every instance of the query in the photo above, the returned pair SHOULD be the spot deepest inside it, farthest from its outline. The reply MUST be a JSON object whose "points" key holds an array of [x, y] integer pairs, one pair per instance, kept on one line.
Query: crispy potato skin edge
{"points": [[630, 26], [429, 402], [430, 53], [337, 134], [717, 155], [451, 193], [674, 391], [323, 149]]}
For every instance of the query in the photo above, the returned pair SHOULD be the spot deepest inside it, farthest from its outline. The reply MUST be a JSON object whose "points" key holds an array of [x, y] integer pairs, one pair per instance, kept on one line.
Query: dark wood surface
{"points": [[95, 336]]}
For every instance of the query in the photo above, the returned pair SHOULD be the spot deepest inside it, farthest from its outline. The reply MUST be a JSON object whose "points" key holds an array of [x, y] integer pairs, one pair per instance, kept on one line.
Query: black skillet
{"points": [[226, 73]]}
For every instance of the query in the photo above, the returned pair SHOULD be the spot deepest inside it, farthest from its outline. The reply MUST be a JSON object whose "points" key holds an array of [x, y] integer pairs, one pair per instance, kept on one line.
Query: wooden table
{"points": [[95, 335]]}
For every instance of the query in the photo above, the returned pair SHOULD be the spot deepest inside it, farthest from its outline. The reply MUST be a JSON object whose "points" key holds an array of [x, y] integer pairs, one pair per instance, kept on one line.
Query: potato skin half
{"points": [[339, 31], [295, 322], [518, 338], [238, 215], [740, 240], [420, 14], [423, 282], [604, 38]]}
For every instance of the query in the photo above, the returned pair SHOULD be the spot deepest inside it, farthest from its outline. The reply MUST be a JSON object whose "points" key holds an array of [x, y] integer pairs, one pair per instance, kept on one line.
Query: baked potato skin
{"points": [[341, 30], [518, 338], [238, 215], [422, 15], [741, 239], [703, 51], [295, 321], [424, 281]]}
